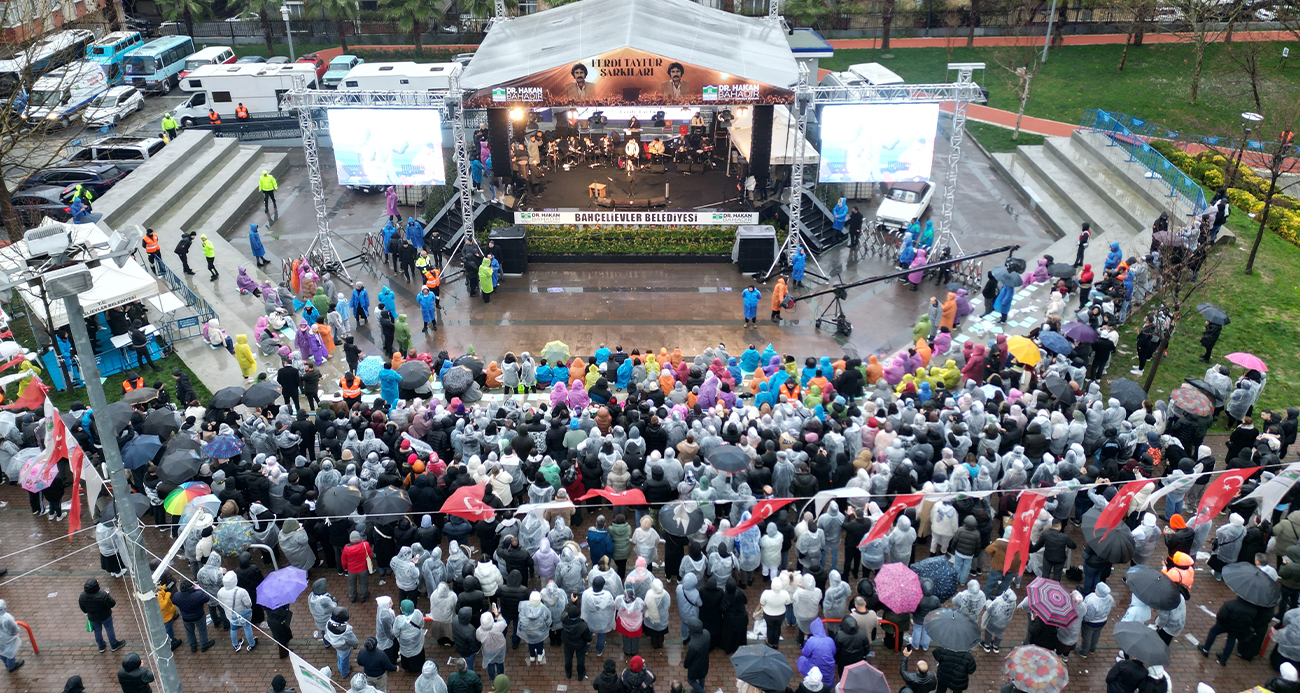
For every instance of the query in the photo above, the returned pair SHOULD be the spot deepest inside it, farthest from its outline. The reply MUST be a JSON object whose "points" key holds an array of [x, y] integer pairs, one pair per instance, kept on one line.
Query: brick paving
{"points": [[46, 599]]}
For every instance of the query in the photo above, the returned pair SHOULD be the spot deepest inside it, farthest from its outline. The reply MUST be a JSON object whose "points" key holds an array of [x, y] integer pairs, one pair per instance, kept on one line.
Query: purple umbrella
{"points": [[281, 587], [1079, 332]]}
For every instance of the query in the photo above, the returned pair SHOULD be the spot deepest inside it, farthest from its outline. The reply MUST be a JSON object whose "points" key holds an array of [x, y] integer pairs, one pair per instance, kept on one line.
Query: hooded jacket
{"points": [[851, 644], [464, 633], [132, 677], [95, 603], [598, 607], [320, 603], [696, 657], [818, 651]]}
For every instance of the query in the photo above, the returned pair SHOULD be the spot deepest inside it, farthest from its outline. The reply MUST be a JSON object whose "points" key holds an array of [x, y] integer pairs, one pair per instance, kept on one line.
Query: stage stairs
{"points": [[818, 223], [446, 224]]}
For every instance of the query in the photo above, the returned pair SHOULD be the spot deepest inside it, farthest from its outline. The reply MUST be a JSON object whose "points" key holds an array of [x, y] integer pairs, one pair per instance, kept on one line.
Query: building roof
{"points": [[746, 47]]}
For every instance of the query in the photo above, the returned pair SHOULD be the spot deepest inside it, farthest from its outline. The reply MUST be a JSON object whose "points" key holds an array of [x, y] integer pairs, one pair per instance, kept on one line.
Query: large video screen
{"points": [[878, 143], [387, 146]]}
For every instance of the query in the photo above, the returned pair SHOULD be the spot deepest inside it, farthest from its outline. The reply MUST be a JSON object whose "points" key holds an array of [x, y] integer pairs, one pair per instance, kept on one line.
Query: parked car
{"points": [[280, 60], [98, 178], [250, 59], [127, 153], [903, 203], [316, 60], [1264, 14], [339, 67], [113, 106], [44, 201]]}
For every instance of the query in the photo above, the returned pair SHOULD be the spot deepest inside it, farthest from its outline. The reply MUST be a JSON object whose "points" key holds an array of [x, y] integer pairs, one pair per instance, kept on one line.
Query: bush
{"points": [[626, 240], [1213, 179], [425, 55], [1244, 201]]}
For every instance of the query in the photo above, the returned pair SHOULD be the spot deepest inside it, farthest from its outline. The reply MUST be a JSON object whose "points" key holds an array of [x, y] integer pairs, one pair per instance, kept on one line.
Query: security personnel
{"points": [[241, 113], [351, 386], [210, 254], [266, 183], [84, 193], [213, 118], [433, 280], [131, 382], [169, 127], [154, 249]]}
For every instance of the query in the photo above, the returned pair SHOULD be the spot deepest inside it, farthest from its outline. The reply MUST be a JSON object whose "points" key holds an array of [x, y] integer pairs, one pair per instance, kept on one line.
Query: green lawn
{"points": [[995, 138], [1154, 85]]}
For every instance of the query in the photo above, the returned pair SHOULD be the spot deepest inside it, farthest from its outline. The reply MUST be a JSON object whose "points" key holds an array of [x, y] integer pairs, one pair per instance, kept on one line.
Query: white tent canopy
{"points": [[785, 133], [750, 48], [111, 286]]}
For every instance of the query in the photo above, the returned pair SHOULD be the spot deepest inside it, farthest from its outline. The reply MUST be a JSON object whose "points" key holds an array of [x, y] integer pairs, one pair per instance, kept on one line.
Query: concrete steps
{"points": [[1086, 203], [134, 191], [206, 165], [1103, 181], [1052, 208], [223, 189]]}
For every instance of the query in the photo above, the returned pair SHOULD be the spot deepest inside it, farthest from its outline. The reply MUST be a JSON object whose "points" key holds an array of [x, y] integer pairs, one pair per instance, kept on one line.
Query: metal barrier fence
{"points": [[1186, 195], [190, 326], [885, 243], [1148, 130]]}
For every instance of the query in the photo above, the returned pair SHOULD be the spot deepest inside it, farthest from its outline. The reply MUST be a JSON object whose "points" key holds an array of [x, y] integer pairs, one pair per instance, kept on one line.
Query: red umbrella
{"points": [[467, 502], [1192, 401], [1249, 361], [1052, 603]]}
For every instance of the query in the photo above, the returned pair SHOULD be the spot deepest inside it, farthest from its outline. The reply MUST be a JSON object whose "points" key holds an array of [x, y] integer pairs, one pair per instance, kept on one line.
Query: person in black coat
{"points": [[1125, 676], [1056, 543], [289, 381], [735, 618], [851, 644], [132, 677], [1235, 619], [607, 681], [955, 669], [280, 622], [250, 576], [1209, 338], [509, 596], [696, 658], [576, 637], [923, 681]]}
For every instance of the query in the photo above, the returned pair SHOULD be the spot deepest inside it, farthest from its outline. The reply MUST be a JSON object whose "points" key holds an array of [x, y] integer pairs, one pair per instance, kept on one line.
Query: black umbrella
{"points": [[260, 395], [729, 459], [1250, 583], [227, 398], [952, 630], [179, 443], [1141, 643], [415, 374], [162, 423], [1061, 270], [140, 395], [1213, 313], [180, 466], [387, 501], [339, 500], [762, 667], [1060, 389], [107, 508], [1130, 394], [457, 380], [471, 362], [1152, 587], [679, 520], [1006, 277], [116, 416], [1118, 546]]}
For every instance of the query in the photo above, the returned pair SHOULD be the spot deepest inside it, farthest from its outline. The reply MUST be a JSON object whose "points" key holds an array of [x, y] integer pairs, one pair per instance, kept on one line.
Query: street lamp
{"points": [[288, 31], [1247, 118]]}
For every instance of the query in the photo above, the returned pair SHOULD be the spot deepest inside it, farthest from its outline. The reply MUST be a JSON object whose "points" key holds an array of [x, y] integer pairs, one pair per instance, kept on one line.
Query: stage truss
{"points": [[450, 104]]}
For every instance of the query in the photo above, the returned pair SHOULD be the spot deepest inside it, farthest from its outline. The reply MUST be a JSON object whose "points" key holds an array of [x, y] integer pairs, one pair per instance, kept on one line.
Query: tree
{"points": [[186, 11], [1020, 57], [1282, 119], [412, 15], [1182, 277], [1137, 14], [1249, 58], [341, 12], [886, 21], [1200, 14], [806, 12], [265, 10], [974, 22]]}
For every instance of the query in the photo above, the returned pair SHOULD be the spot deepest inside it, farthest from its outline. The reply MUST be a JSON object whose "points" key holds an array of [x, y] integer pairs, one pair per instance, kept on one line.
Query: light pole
{"points": [[288, 31], [1247, 118]]}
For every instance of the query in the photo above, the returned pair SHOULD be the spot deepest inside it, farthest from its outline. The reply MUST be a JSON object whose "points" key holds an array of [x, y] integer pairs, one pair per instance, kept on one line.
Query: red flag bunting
{"points": [[1219, 493], [762, 510], [31, 397], [628, 497], [886, 521], [1026, 513], [467, 502], [1117, 508]]}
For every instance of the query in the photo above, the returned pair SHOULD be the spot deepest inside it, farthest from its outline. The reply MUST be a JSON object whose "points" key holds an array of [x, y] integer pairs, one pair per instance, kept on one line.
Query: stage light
{"points": [[742, 111], [516, 114]]}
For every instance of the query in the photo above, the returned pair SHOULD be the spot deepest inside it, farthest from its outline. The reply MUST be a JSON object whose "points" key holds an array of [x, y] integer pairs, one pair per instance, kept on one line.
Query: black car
{"points": [[98, 178], [44, 201]]}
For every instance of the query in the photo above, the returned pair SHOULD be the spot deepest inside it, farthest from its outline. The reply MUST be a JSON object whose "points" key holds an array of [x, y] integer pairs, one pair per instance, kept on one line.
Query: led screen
{"points": [[874, 143], [387, 146]]}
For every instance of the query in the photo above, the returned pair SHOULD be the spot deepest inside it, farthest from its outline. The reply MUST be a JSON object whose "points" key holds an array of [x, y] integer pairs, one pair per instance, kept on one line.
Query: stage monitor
{"points": [[379, 146], [877, 143]]}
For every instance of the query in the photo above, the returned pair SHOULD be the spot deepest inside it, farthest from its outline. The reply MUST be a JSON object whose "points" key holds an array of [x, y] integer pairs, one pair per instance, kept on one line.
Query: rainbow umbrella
{"points": [[177, 500]]}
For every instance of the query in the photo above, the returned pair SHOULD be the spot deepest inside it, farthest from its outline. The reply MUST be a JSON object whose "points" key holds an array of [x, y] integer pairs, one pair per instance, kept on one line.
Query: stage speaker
{"points": [[511, 245], [760, 144], [756, 248], [563, 126], [499, 140]]}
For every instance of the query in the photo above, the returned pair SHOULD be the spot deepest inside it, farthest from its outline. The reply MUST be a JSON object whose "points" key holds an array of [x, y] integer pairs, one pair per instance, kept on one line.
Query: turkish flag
{"points": [[886, 521], [628, 497], [762, 510], [1219, 493], [1117, 508], [467, 502], [1026, 513]]}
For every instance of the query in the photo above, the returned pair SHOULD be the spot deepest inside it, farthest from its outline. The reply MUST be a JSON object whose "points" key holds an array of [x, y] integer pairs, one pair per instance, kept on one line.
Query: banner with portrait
{"points": [[628, 77]]}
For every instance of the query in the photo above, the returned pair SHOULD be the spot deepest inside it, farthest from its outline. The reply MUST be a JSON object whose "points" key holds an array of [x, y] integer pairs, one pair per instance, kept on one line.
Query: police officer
{"points": [[84, 193], [169, 127], [266, 183]]}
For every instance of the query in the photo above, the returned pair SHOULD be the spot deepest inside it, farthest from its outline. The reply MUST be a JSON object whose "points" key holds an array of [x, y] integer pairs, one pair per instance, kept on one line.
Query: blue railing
{"points": [[1148, 130], [1179, 184], [188, 327]]}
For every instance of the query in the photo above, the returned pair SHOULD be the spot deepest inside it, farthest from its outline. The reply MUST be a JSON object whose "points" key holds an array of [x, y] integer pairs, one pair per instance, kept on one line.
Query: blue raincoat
{"points": [[908, 251], [1002, 303], [389, 381], [749, 360], [496, 272], [545, 375], [602, 354], [749, 298], [426, 300], [623, 374], [415, 232], [797, 265], [309, 313], [389, 230], [360, 303], [841, 213], [927, 236], [768, 352], [255, 242], [1114, 257], [765, 394], [733, 367], [389, 300]]}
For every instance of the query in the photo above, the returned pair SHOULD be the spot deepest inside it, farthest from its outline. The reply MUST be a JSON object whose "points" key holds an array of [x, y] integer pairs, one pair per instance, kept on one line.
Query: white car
{"points": [[113, 106], [1264, 14], [903, 203]]}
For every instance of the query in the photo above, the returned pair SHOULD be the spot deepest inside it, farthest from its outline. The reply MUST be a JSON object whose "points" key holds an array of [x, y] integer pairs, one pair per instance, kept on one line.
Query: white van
{"points": [[259, 86], [875, 74], [62, 93], [212, 55], [404, 76]]}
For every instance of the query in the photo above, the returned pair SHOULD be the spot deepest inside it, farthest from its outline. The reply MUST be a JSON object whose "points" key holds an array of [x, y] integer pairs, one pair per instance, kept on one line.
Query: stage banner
{"points": [[638, 218], [628, 77]]}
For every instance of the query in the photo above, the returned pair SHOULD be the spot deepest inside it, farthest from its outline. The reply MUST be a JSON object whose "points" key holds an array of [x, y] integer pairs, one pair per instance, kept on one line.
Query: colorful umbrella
{"points": [[952, 630], [1053, 341], [1152, 587], [223, 447], [368, 370], [898, 588], [467, 502], [1249, 361], [1024, 350], [232, 536], [1052, 603], [762, 667], [1033, 669], [1191, 400], [863, 678], [281, 587], [37, 474], [176, 501], [139, 451], [941, 574], [1079, 332]]}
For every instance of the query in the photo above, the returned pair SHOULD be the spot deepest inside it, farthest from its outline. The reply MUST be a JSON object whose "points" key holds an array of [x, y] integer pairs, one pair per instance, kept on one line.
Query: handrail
{"points": [[1153, 131], [181, 329], [30, 636], [1180, 185]]}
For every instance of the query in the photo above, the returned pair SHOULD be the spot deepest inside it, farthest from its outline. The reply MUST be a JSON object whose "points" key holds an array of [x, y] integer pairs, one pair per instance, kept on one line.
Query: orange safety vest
{"points": [[151, 243], [213, 118], [128, 386], [241, 113], [350, 391], [432, 279]]}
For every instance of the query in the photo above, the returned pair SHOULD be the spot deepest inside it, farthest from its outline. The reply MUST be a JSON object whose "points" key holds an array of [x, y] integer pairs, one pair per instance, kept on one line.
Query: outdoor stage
{"points": [[684, 186]]}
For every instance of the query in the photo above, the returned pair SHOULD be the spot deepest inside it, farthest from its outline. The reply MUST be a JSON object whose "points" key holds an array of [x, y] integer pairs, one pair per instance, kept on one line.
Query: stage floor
{"points": [[568, 189]]}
